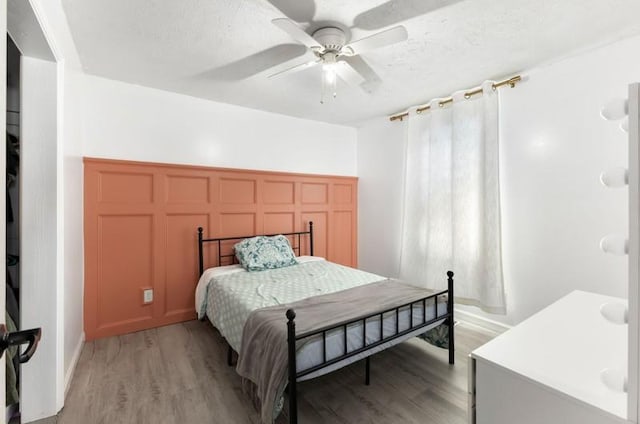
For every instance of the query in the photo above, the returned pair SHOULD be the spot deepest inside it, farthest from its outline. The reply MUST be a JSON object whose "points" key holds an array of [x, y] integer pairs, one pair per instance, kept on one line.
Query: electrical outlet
{"points": [[147, 296]]}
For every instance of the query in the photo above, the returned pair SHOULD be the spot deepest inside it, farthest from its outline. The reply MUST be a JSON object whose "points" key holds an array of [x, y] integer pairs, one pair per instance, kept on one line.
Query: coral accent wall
{"points": [[140, 222]]}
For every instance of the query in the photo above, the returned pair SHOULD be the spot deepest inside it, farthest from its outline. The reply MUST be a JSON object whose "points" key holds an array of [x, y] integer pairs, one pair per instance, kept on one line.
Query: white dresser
{"points": [[548, 368]]}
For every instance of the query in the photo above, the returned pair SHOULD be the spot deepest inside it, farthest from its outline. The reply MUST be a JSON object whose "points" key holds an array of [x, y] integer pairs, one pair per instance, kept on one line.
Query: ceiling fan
{"points": [[329, 45]]}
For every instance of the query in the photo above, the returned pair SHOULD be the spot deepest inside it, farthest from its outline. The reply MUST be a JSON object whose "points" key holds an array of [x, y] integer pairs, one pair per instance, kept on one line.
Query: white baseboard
{"points": [[482, 322], [72, 366]]}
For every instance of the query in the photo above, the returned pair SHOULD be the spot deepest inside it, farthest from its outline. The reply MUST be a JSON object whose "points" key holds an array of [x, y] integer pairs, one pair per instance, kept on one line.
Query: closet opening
{"points": [[12, 315]]}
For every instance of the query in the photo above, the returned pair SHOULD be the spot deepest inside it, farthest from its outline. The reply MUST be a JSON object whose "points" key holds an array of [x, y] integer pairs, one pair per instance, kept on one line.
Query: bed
{"points": [[309, 319]]}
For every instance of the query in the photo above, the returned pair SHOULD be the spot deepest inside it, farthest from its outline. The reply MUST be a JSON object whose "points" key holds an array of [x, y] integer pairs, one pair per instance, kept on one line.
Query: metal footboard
{"points": [[293, 338]]}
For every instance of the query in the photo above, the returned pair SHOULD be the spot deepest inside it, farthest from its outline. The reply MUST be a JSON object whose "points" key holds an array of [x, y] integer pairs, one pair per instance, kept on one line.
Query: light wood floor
{"points": [[178, 374]]}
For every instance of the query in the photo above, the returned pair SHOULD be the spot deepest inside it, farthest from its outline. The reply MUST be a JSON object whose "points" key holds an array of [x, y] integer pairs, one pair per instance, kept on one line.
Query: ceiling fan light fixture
{"points": [[329, 76], [329, 45], [331, 38], [329, 82]]}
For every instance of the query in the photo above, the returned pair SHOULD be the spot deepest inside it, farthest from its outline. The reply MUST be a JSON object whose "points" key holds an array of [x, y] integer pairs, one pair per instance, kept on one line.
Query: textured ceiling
{"points": [[221, 49]]}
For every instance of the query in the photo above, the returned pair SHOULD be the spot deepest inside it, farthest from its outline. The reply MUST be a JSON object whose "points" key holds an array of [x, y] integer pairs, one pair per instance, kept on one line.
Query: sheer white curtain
{"points": [[452, 200]]}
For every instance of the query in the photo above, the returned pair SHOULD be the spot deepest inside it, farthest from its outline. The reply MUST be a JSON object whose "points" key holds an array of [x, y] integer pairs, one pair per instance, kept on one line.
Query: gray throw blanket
{"points": [[263, 358]]}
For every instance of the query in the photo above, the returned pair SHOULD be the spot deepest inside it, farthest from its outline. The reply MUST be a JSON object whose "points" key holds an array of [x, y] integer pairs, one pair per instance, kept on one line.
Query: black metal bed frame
{"points": [[296, 247], [293, 338]]}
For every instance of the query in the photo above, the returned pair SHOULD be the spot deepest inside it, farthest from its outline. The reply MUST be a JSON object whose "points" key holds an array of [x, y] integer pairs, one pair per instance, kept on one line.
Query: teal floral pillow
{"points": [[261, 252]]}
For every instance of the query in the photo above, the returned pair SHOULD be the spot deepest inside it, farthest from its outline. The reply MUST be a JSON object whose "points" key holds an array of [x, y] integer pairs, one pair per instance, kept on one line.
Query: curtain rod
{"points": [[510, 81]]}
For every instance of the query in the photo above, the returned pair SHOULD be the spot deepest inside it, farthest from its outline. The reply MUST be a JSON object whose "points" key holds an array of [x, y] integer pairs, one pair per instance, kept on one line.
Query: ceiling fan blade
{"points": [[372, 79], [393, 12], [297, 33], [298, 10], [257, 63], [296, 68], [380, 39], [348, 73]]}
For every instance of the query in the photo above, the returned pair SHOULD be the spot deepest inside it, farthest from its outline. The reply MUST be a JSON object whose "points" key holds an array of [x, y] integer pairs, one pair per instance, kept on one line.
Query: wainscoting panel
{"points": [[127, 240], [187, 189], [343, 194], [343, 222], [126, 187], [320, 232], [315, 193], [181, 264], [278, 192], [279, 222], [140, 232], [237, 191], [231, 224]]}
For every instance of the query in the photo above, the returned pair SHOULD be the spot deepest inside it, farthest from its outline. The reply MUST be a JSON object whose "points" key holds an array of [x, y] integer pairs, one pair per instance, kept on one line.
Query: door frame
{"points": [[43, 378]]}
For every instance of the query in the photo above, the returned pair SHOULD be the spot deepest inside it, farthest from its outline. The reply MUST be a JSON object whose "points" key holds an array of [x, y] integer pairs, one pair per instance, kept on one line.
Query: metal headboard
{"points": [[296, 247]]}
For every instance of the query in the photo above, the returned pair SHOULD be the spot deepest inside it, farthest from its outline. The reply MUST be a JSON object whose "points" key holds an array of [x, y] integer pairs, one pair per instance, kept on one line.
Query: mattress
{"points": [[227, 295], [311, 354]]}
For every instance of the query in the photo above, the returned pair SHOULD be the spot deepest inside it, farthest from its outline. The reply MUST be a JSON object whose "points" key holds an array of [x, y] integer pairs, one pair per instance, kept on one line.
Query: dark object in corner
{"points": [[13, 162]]}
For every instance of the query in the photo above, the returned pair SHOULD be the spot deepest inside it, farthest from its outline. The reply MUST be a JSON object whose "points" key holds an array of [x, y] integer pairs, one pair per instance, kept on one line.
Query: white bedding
{"points": [[228, 294], [210, 273]]}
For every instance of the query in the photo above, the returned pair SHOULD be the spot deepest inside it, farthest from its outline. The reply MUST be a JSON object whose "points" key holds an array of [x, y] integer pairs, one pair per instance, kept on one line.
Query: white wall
{"points": [[38, 215], [554, 145], [381, 149], [71, 173], [130, 122]]}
